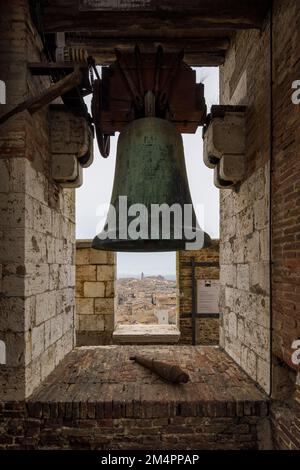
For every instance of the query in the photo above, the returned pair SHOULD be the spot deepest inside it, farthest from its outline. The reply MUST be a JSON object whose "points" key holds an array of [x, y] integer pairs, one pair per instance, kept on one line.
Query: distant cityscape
{"points": [[146, 300], [169, 277]]}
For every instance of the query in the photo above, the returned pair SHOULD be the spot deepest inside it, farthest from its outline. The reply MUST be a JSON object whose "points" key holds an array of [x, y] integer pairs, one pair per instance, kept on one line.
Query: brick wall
{"points": [[285, 182], [207, 329], [37, 225], [99, 426], [95, 291], [285, 225], [244, 212], [245, 330]]}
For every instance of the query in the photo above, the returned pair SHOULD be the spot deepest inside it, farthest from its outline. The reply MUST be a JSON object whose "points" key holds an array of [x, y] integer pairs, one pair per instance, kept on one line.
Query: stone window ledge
{"points": [[145, 334]]}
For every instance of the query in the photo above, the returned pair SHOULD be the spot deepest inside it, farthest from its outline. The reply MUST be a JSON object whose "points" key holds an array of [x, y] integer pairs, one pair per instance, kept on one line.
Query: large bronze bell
{"points": [[150, 170]]}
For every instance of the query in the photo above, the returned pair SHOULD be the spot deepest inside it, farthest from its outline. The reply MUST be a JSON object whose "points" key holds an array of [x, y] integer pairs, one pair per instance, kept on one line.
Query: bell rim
{"points": [[146, 246]]}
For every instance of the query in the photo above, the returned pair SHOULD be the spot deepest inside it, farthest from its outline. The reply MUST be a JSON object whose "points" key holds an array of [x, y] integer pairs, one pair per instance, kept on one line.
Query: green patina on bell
{"points": [[150, 169]]}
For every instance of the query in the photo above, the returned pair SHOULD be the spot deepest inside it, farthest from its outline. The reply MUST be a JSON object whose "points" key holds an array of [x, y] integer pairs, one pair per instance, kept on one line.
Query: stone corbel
{"points": [[66, 170], [71, 146], [224, 145]]}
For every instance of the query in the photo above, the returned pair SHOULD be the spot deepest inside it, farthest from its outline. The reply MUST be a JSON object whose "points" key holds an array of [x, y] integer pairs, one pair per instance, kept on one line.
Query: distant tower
{"points": [[142, 276]]}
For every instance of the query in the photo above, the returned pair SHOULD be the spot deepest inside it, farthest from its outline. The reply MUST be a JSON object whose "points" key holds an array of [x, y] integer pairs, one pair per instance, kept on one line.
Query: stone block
{"points": [[243, 277], [229, 297], [32, 376], [86, 306], [37, 278], [111, 257], [261, 213], [252, 248], [91, 323], [249, 362], [47, 361], [264, 244], [262, 310], [64, 345], [245, 222], [42, 218], [104, 306], [241, 329], [82, 256], [227, 226], [68, 321], [45, 307], [31, 180], [47, 333], [86, 273], [106, 273], [109, 289], [50, 248], [260, 278], [226, 253], [240, 198], [258, 339], [35, 247], [56, 328], [257, 183], [232, 325], [65, 301], [233, 348], [79, 289], [38, 340], [228, 275], [98, 256], [94, 289], [109, 323]]}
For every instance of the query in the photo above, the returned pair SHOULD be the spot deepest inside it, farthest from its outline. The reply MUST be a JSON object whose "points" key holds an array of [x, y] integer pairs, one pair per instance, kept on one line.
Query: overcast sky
{"points": [[97, 187]]}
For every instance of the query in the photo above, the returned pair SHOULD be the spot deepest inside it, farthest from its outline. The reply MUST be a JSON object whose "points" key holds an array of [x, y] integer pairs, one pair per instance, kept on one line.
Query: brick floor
{"points": [[98, 399], [105, 373]]}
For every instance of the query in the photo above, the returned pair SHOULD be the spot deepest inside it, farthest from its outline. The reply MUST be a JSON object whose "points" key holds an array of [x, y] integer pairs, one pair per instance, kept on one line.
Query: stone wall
{"points": [[207, 329], [244, 212], [95, 291], [37, 224]]}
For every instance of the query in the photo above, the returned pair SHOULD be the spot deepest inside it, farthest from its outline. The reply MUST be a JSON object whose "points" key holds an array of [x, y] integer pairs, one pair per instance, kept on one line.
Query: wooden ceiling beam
{"points": [[194, 59], [154, 15], [202, 53], [174, 44]]}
